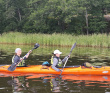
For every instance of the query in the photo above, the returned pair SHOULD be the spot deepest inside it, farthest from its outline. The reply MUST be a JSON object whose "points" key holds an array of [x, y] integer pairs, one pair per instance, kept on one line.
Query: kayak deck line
{"points": [[76, 70]]}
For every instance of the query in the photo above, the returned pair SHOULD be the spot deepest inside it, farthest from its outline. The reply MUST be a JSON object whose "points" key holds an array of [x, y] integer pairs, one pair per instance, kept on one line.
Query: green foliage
{"points": [[97, 25], [54, 16]]}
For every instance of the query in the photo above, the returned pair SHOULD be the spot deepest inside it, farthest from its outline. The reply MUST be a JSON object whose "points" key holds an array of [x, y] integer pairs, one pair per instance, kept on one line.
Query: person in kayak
{"points": [[56, 61], [16, 58]]}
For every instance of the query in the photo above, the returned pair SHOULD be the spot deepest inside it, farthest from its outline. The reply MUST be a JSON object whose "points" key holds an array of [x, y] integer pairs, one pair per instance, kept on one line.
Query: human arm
{"points": [[26, 56], [65, 58]]}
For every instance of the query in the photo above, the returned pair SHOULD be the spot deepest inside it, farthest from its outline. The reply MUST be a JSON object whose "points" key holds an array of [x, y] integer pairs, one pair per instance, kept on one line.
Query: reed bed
{"points": [[95, 40]]}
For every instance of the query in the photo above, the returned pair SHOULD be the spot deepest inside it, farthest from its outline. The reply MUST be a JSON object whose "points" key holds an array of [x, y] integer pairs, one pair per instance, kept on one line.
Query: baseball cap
{"points": [[57, 52]]}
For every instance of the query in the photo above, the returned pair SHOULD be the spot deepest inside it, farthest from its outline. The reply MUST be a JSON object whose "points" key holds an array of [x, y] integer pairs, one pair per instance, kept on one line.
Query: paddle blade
{"points": [[36, 46], [12, 67], [73, 46]]}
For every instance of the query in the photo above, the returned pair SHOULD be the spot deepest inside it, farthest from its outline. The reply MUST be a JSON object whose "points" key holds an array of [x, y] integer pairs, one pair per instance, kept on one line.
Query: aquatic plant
{"points": [[94, 40]]}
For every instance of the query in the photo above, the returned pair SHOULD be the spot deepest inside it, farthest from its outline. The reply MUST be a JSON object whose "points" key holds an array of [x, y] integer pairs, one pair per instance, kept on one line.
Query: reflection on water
{"points": [[43, 83], [18, 83]]}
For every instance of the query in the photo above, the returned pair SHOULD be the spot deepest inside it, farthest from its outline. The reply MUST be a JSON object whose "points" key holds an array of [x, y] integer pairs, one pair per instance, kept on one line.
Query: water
{"points": [[47, 83]]}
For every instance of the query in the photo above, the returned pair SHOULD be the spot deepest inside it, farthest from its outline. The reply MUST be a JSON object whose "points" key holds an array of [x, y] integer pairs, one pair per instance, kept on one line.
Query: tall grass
{"points": [[99, 40]]}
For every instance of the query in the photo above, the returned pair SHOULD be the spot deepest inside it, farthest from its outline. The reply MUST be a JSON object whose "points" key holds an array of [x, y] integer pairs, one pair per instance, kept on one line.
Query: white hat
{"points": [[16, 50], [57, 52]]}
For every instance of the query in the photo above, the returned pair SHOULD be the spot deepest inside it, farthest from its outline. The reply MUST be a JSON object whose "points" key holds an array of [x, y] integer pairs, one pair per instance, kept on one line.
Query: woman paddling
{"points": [[56, 61], [16, 58]]}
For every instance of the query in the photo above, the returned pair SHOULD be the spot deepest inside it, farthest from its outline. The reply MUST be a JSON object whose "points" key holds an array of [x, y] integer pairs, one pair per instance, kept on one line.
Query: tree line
{"points": [[54, 16]]}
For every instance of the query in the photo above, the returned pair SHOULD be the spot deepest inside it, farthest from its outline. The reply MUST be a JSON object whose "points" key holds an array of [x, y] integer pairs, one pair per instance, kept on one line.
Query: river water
{"points": [[48, 83]]}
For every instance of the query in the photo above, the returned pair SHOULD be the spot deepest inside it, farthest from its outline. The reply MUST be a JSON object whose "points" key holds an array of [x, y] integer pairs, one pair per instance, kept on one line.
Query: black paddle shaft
{"points": [[68, 57], [13, 66]]}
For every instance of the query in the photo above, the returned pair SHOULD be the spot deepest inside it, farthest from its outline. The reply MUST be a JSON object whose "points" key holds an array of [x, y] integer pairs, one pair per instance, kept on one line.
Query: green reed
{"points": [[95, 40]]}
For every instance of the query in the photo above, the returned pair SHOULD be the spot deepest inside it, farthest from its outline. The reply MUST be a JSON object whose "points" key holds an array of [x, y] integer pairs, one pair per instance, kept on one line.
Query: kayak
{"points": [[76, 70]]}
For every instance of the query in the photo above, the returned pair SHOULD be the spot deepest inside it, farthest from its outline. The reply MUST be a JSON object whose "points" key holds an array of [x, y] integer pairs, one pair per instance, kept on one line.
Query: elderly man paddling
{"points": [[17, 57]]}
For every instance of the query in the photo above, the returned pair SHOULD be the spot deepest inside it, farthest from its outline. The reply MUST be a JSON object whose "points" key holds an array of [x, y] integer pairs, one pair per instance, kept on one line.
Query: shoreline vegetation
{"points": [[95, 40]]}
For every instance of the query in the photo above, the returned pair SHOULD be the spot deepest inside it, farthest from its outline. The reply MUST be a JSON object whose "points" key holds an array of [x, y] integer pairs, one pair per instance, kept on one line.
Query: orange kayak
{"points": [[76, 70]]}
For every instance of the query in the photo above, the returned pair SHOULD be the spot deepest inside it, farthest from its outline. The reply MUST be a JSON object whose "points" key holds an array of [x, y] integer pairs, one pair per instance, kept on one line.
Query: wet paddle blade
{"points": [[74, 45], [12, 67], [36, 45]]}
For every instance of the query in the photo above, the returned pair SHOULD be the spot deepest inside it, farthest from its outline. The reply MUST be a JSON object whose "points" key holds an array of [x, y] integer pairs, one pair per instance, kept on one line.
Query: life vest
{"points": [[60, 64], [22, 63]]}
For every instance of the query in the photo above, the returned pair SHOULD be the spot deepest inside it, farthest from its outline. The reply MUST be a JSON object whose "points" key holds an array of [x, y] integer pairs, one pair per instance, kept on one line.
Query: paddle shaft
{"points": [[68, 57], [64, 65]]}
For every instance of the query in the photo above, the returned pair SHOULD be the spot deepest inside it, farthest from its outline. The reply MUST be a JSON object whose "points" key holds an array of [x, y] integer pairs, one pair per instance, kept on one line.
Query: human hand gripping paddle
{"points": [[13, 66], [68, 57]]}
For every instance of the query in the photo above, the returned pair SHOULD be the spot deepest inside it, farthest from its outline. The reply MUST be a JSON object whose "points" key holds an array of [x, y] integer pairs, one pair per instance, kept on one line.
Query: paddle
{"points": [[68, 57], [13, 66]]}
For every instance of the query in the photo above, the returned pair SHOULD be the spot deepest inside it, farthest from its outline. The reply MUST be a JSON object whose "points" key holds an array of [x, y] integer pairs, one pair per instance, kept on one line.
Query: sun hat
{"points": [[16, 50], [57, 52]]}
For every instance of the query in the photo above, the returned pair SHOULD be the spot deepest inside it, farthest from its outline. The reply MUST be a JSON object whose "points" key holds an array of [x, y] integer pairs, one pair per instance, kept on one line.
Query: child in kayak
{"points": [[16, 58], [56, 61]]}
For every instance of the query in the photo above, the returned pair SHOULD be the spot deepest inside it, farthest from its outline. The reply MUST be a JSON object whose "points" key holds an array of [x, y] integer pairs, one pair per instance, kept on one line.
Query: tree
{"points": [[49, 16], [15, 13]]}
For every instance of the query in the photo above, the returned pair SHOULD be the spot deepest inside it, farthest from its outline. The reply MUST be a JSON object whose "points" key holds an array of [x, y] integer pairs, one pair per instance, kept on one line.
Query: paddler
{"points": [[56, 61], [17, 57]]}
